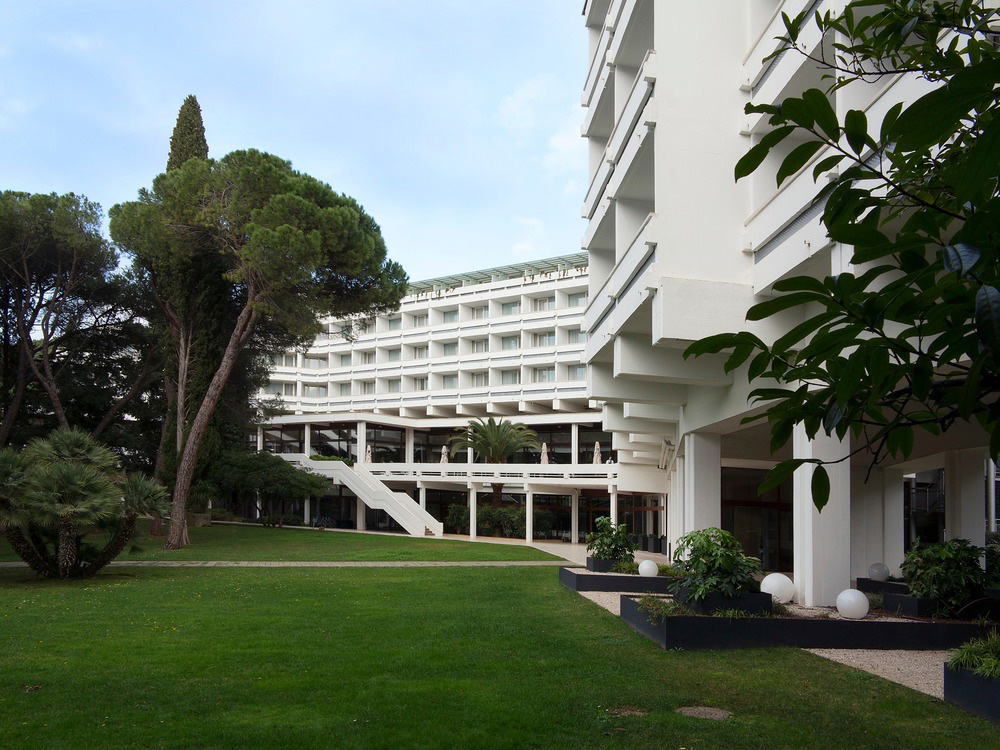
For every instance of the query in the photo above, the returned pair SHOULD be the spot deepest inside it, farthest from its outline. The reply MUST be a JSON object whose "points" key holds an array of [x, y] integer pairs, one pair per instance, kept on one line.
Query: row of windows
{"points": [[448, 382], [448, 349]]}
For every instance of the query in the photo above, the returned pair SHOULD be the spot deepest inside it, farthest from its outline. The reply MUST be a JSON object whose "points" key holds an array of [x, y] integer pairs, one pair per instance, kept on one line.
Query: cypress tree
{"points": [[188, 139]]}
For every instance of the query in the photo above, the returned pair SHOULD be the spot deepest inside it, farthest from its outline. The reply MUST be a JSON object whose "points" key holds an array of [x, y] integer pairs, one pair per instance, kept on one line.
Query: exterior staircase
{"points": [[402, 508]]}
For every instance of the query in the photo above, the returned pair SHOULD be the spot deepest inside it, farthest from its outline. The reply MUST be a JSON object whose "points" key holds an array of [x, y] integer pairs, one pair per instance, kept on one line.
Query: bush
{"points": [[610, 542], [993, 556], [222, 514], [712, 561], [318, 457], [946, 571], [981, 655], [279, 521], [457, 519]]}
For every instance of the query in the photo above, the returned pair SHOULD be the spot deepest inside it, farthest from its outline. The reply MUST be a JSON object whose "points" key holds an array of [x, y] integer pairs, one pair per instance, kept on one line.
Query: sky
{"points": [[455, 123]]}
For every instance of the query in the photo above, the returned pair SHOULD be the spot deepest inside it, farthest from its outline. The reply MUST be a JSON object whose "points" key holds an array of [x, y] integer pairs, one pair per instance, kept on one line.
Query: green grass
{"points": [[280, 545], [400, 658]]}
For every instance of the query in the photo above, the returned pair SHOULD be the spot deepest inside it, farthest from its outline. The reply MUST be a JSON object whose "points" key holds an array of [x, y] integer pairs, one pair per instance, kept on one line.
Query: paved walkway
{"points": [[320, 564]]}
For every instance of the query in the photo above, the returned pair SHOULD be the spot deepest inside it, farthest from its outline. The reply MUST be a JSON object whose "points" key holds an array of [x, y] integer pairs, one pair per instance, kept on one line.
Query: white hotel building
{"points": [[504, 342], [679, 251]]}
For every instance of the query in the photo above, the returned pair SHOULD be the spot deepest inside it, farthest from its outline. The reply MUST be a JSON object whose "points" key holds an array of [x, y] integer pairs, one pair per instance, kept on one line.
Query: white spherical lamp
{"points": [[649, 569], [779, 586], [852, 604], [878, 572]]}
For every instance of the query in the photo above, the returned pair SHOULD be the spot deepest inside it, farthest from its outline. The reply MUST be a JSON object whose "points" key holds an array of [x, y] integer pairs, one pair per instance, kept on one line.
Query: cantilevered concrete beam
{"points": [[636, 359], [601, 384]]}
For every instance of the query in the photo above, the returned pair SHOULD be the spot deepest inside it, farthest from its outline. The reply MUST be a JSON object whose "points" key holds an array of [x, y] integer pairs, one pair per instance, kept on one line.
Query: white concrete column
{"points": [[307, 439], [991, 495], [423, 496], [675, 504], [306, 515], [362, 522], [469, 456], [362, 441], [260, 439], [822, 556], [529, 515], [702, 481], [574, 444], [574, 517], [613, 492], [408, 451], [867, 521], [893, 521], [472, 513], [964, 495]]}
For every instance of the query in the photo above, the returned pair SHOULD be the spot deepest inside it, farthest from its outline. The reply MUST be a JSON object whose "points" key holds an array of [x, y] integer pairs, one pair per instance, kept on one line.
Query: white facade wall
{"points": [[679, 251]]}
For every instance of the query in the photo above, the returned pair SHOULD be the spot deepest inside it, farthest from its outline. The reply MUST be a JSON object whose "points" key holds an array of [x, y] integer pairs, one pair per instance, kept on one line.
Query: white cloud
{"points": [[524, 109]]}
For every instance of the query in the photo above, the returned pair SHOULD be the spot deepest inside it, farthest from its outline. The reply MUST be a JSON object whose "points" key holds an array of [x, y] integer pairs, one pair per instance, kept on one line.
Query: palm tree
{"points": [[494, 442], [56, 490]]}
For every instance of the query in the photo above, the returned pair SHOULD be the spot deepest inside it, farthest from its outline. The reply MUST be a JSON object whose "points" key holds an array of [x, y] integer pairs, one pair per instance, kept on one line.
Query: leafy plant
{"points": [[875, 601], [712, 561], [657, 608], [993, 556], [947, 571], [981, 655], [494, 441], [610, 542]]}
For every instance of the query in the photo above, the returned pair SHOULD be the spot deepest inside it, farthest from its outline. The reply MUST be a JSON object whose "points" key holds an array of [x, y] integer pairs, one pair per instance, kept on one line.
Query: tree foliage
{"points": [[290, 248], [494, 441], [911, 339], [57, 490], [188, 139]]}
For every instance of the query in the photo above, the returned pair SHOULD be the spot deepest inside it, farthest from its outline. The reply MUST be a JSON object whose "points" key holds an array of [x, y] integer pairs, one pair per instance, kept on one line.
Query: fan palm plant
{"points": [[58, 489], [495, 442]]}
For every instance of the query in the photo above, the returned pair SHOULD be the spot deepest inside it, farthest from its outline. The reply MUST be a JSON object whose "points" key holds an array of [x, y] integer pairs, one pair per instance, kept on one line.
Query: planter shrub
{"points": [[713, 562], [610, 542], [972, 677], [947, 571]]}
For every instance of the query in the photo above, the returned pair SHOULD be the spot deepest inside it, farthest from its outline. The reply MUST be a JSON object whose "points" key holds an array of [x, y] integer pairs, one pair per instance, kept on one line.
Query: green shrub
{"points": [[490, 521], [457, 519], [610, 542], [946, 571], [222, 514], [318, 457], [993, 556], [981, 655], [658, 608], [632, 568], [712, 561]]}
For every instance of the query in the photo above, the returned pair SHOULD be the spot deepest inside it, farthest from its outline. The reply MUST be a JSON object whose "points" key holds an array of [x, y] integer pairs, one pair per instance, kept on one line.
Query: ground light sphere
{"points": [[779, 586], [852, 604], [878, 572], [649, 569]]}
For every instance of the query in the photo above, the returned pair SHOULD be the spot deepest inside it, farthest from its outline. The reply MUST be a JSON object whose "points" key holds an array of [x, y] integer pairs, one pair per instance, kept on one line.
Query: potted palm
{"points": [[494, 441], [608, 545]]}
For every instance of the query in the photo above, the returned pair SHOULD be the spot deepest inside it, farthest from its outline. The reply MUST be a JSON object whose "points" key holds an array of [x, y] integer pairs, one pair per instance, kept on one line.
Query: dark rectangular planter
{"points": [[911, 606], [972, 693], [598, 565], [644, 543], [573, 579], [653, 544], [691, 631], [664, 546], [882, 587], [752, 602]]}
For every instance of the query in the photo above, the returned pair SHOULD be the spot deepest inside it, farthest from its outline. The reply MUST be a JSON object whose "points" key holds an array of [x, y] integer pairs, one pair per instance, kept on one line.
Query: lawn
{"points": [[258, 543], [397, 657]]}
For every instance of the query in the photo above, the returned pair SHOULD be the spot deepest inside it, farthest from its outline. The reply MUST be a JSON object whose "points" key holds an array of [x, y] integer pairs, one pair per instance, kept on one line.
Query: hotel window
{"points": [[449, 381], [345, 389], [480, 379], [367, 358], [276, 360], [450, 349], [289, 360], [288, 389], [314, 391], [392, 355], [419, 321], [393, 386], [510, 308], [479, 313], [548, 338], [510, 377], [579, 299], [393, 324], [544, 375], [365, 328], [576, 336], [273, 389], [314, 362], [545, 303], [420, 384], [510, 342], [368, 386], [420, 352], [480, 345], [449, 316], [345, 360], [577, 372]]}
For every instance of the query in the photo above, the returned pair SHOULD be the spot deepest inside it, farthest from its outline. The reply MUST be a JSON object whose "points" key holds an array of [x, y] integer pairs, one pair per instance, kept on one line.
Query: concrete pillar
{"points": [[362, 440], [306, 515], [260, 439], [702, 481], [574, 518], [574, 444], [991, 495], [529, 515], [675, 504], [893, 521], [472, 513], [307, 439], [964, 496], [362, 523], [613, 492], [423, 496], [822, 557], [408, 452]]}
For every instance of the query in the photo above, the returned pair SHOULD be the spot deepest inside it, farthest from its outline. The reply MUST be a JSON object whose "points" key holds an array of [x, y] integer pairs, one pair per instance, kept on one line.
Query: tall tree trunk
{"points": [[116, 544], [67, 547], [497, 493], [27, 552], [245, 323], [10, 416], [180, 404]]}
